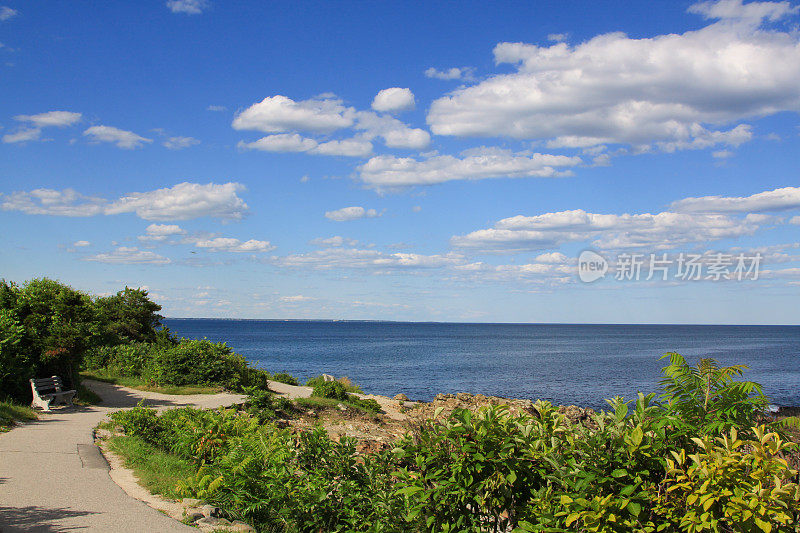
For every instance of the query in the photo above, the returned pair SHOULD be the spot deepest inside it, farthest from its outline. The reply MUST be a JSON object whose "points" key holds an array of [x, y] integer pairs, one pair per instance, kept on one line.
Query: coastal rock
{"points": [[191, 502], [464, 396], [328, 377], [209, 511], [213, 522], [401, 397], [194, 515]]}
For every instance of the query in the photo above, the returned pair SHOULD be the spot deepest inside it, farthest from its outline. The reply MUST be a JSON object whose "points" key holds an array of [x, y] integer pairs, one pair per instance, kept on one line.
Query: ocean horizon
{"points": [[580, 364]]}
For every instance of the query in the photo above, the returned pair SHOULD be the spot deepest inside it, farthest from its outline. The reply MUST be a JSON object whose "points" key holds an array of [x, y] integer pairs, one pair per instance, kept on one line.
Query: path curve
{"points": [[53, 477]]}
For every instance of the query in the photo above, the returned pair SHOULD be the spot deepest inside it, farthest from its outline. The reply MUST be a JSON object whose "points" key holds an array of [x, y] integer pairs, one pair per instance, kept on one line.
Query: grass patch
{"points": [[140, 384], [11, 413], [157, 471]]}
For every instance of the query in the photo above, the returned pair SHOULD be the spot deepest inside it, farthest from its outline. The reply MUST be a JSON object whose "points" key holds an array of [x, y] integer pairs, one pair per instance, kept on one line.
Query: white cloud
{"points": [[129, 256], [455, 73], [22, 135], [336, 240], [552, 258], [7, 13], [482, 163], [227, 244], [668, 90], [161, 232], [355, 258], [735, 10], [216, 108], [722, 154], [178, 143], [395, 133], [122, 138], [81, 244], [557, 37], [324, 114], [351, 213], [795, 220], [276, 114], [344, 147], [189, 7], [298, 298], [293, 142], [67, 202], [59, 119], [393, 100], [182, 202], [783, 199], [657, 231]]}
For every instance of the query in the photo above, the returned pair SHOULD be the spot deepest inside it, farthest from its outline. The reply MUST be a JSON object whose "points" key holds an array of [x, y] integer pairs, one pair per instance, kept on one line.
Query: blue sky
{"points": [[389, 160]]}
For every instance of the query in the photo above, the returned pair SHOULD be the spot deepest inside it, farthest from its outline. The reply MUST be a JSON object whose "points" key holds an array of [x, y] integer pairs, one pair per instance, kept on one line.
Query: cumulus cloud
{"points": [[351, 213], [125, 255], [668, 91], [161, 232], [609, 231], [216, 108], [32, 131], [285, 118], [22, 135], [454, 73], [395, 133], [178, 143], [7, 13], [188, 7], [387, 171], [795, 220], [59, 119], [81, 244], [783, 199], [182, 202], [276, 114], [122, 138], [393, 100], [334, 241], [227, 244], [293, 142]]}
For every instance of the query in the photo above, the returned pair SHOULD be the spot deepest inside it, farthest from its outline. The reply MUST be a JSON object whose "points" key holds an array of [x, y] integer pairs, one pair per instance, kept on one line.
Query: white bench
{"points": [[50, 390]]}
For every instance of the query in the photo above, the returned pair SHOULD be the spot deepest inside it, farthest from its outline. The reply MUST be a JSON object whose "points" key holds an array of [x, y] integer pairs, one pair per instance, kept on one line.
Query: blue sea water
{"points": [[566, 364]]}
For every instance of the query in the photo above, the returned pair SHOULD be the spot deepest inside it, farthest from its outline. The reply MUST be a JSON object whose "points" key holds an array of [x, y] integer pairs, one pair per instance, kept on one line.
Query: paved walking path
{"points": [[53, 477]]}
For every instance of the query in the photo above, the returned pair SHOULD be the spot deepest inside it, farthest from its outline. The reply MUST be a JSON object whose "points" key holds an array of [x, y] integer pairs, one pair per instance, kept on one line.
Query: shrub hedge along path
{"points": [[53, 477]]}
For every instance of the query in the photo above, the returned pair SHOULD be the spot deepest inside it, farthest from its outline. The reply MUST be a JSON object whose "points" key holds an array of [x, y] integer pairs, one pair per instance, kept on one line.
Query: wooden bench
{"points": [[50, 390]]}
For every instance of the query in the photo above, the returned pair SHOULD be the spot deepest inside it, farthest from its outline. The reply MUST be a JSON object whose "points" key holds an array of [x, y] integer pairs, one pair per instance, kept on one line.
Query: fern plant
{"points": [[707, 397]]}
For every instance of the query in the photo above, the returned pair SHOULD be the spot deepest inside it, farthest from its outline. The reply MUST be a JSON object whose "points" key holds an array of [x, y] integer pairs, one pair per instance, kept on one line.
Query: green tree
{"points": [[129, 316]]}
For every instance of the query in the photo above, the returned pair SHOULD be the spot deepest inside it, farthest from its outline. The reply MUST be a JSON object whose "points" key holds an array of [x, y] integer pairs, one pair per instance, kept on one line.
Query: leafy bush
{"points": [[732, 485], [331, 389], [636, 467], [284, 377], [141, 422]]}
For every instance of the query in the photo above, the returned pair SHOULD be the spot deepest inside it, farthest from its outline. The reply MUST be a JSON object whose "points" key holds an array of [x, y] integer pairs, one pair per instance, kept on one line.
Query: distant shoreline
{"points": [[367, 321]]}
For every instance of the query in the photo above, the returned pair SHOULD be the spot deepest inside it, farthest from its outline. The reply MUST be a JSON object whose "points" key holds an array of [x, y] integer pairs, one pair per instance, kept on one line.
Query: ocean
{"points": [[580, 364]]}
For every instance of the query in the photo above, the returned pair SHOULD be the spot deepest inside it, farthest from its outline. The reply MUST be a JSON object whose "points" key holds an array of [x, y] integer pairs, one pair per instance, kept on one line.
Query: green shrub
{"points": [[732, 485], [330, 389], [283, 377], [140, 422]]}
